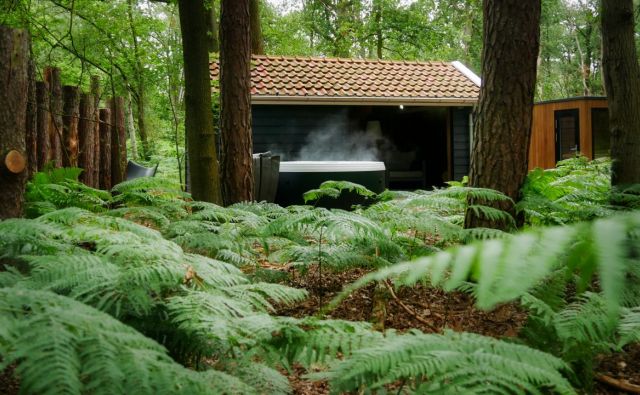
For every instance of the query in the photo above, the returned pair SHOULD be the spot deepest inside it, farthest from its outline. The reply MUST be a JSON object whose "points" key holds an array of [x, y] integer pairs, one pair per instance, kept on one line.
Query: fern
{"points": [[449, 363], [62, 346], [505, 269]]}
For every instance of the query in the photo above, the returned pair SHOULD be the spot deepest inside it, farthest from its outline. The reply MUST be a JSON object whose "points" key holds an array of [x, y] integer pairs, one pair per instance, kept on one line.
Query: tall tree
{"points": [[622, 81], [203, 168], [502, 129], [235, 101], [257, 42]]}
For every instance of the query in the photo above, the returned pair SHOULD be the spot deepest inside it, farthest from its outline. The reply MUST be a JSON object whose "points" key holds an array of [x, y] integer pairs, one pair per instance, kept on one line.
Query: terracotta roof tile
{"points": [[356, 78]]}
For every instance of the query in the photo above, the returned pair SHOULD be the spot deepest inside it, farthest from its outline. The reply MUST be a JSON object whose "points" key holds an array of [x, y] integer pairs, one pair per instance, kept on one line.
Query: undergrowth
{"points": [[140, 289]]}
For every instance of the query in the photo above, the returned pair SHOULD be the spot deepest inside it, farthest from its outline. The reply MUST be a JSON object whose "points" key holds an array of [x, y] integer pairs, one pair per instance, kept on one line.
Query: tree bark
{"points": [[105, 149], [52, 77], [32, 123], [86, 137], [131, 130], [622, 81], [14, 68], [43, 142], [140, 88], [71, 112], [213, 28], [204, 170], [257, 41], [502, 129], [118, 141], [235, 102]]}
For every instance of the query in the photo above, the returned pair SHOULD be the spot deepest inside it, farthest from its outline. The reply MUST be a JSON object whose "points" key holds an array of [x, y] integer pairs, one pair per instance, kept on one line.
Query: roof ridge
{"points": [[348, 60]]}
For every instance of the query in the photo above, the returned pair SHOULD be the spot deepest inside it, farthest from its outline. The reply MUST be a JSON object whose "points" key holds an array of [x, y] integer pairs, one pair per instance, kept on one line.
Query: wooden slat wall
{"points": [[542, 150]]}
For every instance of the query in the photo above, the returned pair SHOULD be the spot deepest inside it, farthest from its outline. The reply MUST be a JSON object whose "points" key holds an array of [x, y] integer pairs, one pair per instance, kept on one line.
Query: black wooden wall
{"points": [[461, 141], [284, 130]]}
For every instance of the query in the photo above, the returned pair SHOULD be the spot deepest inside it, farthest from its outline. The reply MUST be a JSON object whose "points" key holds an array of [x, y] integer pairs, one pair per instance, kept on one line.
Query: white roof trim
{"points": [[468, 73]]}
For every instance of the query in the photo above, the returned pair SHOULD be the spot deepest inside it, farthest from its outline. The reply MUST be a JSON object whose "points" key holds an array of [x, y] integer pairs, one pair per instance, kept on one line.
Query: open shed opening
{"points": [[416, 143]]}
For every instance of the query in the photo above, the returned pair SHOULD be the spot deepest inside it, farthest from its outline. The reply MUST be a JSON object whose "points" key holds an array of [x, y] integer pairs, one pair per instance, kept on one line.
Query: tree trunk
{"points": [[43, 142], [213, 28], [257, 41], [118, 141], [105, 149], [140, 91], [622, 81], [52, 77], [86, 137], [131, 130], [502, 129], [205, 178], [377, 5], [32, 123], [14, 69], [71, 113], [235, 102]]}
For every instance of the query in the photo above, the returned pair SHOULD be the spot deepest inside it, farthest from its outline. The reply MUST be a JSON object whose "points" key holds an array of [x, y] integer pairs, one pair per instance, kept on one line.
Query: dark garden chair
{"points": [[135, 170]]}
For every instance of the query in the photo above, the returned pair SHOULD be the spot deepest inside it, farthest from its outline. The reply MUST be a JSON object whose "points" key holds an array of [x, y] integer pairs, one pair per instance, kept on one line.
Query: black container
{"points": [[298, 177]]}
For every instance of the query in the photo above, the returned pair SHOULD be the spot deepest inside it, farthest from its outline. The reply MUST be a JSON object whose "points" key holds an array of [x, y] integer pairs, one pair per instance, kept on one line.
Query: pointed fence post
{"points": [[14, 68], [52, 77], [86, 136], [71, 113], [118, 141], [31, 137], [43, 142], [105, 148]]}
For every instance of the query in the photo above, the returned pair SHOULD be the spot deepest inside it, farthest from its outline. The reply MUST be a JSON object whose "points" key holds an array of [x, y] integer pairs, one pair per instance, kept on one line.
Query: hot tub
{"points": [[298, 177]]}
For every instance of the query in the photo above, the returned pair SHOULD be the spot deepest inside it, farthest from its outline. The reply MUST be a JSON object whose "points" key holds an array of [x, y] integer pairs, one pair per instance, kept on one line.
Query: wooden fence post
{"points": [[118, 141], [71, 113], [95, 91], [86, 136], [105, 149], [14, 66], [43, 142], [31, 137], [52, 77]]}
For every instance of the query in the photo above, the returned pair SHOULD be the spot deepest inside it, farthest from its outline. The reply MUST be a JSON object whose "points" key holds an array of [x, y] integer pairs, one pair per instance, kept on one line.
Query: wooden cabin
{"points": [[413, 116], [563, 128]]}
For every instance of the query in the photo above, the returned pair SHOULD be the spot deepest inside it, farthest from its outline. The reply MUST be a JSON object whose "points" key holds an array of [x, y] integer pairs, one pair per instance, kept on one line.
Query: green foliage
{"points": [[577, 189], [63, 346], [450, 363], [56, 188]]}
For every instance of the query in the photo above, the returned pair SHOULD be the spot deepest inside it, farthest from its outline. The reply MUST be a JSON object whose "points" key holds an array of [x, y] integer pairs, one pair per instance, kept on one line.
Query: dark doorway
{"points": [[567, 134]]}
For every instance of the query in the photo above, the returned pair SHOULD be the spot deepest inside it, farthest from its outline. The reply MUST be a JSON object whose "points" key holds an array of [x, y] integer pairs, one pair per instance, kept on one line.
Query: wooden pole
{"points": [[43, 143], [71, 112], [118, 141], [86, 136], [14, 66], [105, 148], [31, 138], [52, 77], [95, 91]]}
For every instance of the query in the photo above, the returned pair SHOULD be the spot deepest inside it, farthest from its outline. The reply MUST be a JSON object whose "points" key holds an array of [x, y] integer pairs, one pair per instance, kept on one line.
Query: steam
{"points": [[335, 143]]}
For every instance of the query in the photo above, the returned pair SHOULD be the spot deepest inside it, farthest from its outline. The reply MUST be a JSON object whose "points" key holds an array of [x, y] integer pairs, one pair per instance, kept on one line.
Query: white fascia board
{"points": [[467, 72]]}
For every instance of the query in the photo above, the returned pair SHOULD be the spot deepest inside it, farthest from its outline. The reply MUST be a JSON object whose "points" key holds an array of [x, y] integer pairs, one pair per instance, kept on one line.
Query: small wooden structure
{"points": [[563, 128]]}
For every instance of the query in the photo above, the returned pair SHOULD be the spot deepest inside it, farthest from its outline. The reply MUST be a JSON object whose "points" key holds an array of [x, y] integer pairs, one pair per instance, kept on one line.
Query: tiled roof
{"points": [[278, 78]]}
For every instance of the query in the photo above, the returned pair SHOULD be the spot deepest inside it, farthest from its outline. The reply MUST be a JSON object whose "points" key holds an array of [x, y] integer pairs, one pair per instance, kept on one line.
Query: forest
{"points": [[492, 274]]}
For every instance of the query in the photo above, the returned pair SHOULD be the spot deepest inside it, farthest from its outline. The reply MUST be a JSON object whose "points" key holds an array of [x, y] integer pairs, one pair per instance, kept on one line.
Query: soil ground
{"points": [[421, 307], [430, 310]]}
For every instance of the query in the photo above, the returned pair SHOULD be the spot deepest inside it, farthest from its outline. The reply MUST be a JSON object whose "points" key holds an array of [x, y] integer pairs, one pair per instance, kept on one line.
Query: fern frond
{"points": [[443, 360]]}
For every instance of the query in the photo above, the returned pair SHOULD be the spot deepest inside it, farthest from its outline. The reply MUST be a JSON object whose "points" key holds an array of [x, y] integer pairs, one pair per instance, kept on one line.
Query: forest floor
{"points": [[430, 310]]}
